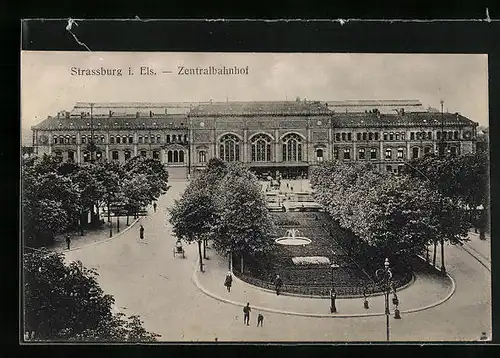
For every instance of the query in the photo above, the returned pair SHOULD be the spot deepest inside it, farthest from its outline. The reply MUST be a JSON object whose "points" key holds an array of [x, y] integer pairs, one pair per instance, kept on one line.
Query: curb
{"points": [[283, 293], [103, 241], [319, 315], [469, 249]]}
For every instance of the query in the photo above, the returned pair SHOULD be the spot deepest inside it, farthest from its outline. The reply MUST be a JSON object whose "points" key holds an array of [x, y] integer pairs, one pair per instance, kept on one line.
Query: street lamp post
{"points": [[92, 144], [333, 294], [441, 142], [385, 281]]}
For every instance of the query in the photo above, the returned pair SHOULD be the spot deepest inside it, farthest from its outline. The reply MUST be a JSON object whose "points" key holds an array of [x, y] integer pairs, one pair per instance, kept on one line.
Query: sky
{"points": [[460, 80]]}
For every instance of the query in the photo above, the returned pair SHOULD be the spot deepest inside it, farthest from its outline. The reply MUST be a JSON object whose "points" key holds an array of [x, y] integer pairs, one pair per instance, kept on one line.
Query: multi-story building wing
{"points": [[270, 137]]}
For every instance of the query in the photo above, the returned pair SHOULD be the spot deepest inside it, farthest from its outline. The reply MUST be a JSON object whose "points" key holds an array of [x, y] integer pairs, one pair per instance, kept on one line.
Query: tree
{"points": [[243, 224], [49, 204], [90, 190], [192, 215], [136, 193], [64, 302], [110, 175], [154, 171], [392, 215]]}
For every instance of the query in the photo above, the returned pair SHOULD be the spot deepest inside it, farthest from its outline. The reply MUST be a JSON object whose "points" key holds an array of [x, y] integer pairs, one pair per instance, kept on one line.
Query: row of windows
{"points": [[175, 156], [347, 136], [389, 153], [98, 155], [121, 139], [229, 148]]}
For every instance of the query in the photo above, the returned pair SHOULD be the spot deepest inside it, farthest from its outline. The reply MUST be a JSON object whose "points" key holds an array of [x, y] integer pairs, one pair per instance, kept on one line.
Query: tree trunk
{"points": [[241, 263], [199, 253], [443, 268], [482, 234], [230, 261], [434, 254], [205, 249], [127, 217], [109, 214], [98, 216], [483, 223]]}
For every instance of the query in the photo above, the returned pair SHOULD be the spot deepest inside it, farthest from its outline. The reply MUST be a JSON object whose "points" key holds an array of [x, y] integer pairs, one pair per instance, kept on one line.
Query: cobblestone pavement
{"points": [[146, 279]]}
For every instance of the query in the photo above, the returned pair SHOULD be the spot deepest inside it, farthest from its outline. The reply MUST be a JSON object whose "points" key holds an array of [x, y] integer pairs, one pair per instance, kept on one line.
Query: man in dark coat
{"points": [[154, 206], [141, 232], [278, 282], [260, 319], [246, 314], [68, 241], [228, 281]]}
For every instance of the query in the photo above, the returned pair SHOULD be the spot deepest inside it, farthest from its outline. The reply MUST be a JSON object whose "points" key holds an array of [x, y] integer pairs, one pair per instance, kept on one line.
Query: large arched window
{"points": [[319, 155], [202, 156], [261, 148], [229, 148], [292, 148]]}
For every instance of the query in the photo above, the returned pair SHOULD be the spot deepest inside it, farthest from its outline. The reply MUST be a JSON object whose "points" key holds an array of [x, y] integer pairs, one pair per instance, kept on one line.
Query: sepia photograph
{"points": [[254, 197]]}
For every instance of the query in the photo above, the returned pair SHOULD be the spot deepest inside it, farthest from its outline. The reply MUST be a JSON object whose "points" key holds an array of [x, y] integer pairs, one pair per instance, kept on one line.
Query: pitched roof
{"points": [[424, 119], [131, 108], [260, 108], [165, 121], [375, 102]]}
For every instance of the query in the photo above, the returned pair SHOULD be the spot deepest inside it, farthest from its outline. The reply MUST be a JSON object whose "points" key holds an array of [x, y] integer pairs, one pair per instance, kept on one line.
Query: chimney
{"points": [[136, 114], [58, 115], [67, 115], [402, 111], [166, 111], [150, 114]]}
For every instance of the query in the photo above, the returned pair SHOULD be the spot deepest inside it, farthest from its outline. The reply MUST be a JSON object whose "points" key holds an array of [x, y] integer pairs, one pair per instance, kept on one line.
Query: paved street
{"points": [[147, 280]]}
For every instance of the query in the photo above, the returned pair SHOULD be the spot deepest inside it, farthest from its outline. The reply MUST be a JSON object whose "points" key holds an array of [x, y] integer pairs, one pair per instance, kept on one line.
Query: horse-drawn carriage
{"points": [[178, 249]]}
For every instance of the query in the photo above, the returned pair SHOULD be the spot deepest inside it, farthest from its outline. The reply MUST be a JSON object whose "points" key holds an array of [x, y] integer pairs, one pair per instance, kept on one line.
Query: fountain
{"points": [[292, 238]]}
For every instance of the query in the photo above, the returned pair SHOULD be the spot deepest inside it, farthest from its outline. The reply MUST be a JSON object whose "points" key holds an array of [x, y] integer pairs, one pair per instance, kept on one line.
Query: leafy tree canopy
{"points": [[65, 302]]}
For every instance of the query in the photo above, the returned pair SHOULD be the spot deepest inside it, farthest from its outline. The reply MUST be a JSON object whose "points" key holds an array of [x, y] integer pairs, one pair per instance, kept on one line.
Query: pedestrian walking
{"points": [[68, 241], [260, 319], [228, 281], [154, 206], [246, 314], [278, 282], [483, 337], [141, 232]]}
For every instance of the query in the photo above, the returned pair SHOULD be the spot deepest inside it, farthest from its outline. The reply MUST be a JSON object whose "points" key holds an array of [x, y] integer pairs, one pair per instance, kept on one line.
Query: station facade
{"points": [[285, 138]]}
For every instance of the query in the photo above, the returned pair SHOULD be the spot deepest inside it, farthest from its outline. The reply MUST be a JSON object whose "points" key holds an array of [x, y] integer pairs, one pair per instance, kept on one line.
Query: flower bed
{"points": [[314, 276], [311, 260]]}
